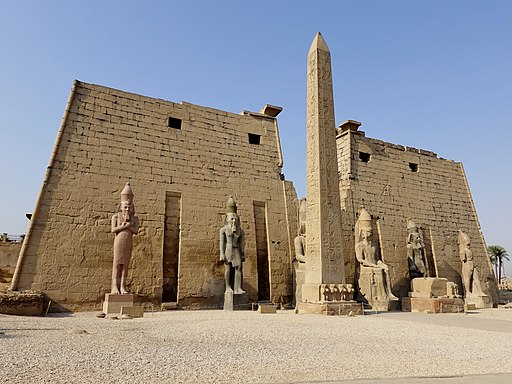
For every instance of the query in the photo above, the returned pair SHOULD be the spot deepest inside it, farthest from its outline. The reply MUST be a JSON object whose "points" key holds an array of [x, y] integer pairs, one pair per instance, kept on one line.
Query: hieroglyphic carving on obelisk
{"points": [[325, 264]]}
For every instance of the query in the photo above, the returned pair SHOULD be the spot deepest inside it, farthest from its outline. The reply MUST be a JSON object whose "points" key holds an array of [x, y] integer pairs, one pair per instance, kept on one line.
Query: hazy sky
{"points": [[429, 74]]}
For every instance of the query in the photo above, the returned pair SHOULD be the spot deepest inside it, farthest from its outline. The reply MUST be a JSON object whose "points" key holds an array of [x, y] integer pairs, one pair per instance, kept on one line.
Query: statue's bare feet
{"points": [[114, 291], [239, 291], [228, 290], [124, 291]]}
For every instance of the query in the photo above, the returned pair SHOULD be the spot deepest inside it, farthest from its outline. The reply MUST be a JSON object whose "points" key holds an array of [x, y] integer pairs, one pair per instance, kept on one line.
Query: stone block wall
{"points": [[179, 158], [395, 182]]}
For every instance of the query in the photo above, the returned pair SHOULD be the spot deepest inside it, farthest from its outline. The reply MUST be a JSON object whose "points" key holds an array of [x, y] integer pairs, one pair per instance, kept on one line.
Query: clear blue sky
{"points": [[430, 74]]}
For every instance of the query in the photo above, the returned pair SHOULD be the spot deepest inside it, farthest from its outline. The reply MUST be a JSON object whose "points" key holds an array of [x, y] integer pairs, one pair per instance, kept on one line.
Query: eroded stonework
{"points": [[325, 263]]}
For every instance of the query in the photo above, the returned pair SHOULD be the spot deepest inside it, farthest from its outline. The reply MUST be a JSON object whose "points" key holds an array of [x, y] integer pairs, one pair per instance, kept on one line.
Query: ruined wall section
{"points": [[110, 137], [395, 182]]}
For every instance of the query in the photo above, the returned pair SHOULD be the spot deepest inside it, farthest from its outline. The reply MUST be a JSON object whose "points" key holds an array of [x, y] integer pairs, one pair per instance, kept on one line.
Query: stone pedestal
{"points": [[114, 302], [267, 308], [431, 287], [385, 305], [479, 302], [433, 295], [236, 301], [132, 311], [433, 304], [332, 308]]}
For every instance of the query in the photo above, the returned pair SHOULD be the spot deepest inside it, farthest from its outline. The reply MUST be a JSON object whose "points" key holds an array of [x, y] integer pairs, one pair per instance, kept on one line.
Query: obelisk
{"points": [[324, 257]]}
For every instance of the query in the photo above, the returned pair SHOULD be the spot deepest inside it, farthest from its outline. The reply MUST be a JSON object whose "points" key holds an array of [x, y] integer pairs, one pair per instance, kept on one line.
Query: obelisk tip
{"points": [[319, 43]]}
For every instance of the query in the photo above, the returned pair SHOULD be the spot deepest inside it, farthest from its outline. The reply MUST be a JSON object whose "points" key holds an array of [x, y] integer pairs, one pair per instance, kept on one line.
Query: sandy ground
{"points": [[248, 347]]}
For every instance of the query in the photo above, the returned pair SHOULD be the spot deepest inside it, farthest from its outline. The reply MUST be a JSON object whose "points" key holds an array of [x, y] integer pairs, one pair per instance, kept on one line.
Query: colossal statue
{"points": [[374, 282], [300, 240], [470, 279], [415, 251], [232, 239], [124, 225]]}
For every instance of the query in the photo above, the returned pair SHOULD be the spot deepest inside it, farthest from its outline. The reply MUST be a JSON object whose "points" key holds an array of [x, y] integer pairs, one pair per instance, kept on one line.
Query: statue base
{"points": [[236, 301], [332, 308], [113, 302], [433, 304], [385, 305], [433, 287], [479, 302]]}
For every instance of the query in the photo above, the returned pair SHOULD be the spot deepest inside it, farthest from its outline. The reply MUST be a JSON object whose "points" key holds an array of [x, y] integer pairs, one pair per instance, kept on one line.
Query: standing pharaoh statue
{"points": [[374, 282], [232, 239], [415, 251], [470, 279], [124, 225], [300, 240]]}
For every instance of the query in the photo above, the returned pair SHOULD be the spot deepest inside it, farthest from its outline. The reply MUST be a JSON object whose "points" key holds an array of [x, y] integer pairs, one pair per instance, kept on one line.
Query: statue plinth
{"points": [[114, 302], [341, 308], [236, 301], [433, 304], [328, 299], [433, 295], [479, 302]]}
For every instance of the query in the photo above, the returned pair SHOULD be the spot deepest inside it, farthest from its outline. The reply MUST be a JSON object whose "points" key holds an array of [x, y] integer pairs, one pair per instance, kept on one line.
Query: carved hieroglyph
{"points": [[325, 264]]}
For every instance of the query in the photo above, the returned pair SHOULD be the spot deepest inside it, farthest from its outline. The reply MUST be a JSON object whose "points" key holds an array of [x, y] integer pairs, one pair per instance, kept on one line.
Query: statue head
{"points": [[231, 219], [411, 226], [127, 207], [363, 226], [464, 239]]}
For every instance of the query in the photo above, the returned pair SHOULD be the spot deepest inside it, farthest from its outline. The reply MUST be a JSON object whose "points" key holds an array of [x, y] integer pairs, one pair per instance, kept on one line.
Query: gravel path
{"points": [[247, 347]]}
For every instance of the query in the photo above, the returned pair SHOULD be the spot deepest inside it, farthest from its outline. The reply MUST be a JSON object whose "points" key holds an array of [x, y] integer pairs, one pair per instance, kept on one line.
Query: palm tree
{"points": [[497, 254]]}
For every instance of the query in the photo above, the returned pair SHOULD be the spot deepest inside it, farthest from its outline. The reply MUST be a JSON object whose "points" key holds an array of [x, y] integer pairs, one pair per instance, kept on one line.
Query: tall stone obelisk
{"points": [[324, 257]]}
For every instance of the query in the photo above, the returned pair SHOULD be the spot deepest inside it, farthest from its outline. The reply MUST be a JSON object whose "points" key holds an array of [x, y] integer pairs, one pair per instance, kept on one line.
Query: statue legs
{"points": [[238, 280], [119, 277], [227, 274], [237, 284]]}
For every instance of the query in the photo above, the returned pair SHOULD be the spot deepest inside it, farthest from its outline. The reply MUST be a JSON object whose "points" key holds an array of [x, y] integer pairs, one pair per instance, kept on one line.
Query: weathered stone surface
{"points": [[132, 311], [325, 263], [236, 301], [416, 251], [114, 302], [27, 303], [436, 195], [432, 304], [470, 279], [432, 287], [267, 308], [298, 280], [374, 284], [182, 178], [332, 308]]}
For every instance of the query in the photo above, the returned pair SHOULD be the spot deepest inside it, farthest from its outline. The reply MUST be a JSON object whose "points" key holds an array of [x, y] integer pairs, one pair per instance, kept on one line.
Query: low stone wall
{"points": [[26, 303]]}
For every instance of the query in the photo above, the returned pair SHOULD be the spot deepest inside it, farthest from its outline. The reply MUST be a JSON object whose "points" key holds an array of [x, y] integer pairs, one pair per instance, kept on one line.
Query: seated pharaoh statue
{"points": [[300, 240], [374, 283], [415, 251]]}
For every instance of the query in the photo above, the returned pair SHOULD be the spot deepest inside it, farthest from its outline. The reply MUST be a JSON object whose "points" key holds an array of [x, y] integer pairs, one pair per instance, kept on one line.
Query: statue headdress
{"points": [[231, 205], [127, 194]]}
